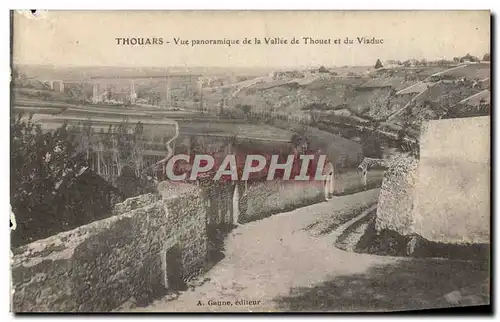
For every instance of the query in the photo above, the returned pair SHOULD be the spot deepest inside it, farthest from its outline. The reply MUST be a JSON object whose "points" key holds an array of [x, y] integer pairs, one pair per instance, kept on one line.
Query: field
{"points": [[255, 131], [347, 98], [483, 97], [415, 88], [476, 71]]}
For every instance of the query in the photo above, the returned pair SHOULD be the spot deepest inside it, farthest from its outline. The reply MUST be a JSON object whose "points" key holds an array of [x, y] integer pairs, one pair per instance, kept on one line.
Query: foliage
{"points": [[132, 185], [52, 187], [246, 109], [322, 69], [41, 162], [378, 64], [470, 58], [371, 145], [43, 168], [486, 57]]}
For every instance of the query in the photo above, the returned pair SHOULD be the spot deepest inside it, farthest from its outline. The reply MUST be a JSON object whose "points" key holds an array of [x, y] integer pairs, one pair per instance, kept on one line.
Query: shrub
{"points": [[322, 69], [47, 177]]}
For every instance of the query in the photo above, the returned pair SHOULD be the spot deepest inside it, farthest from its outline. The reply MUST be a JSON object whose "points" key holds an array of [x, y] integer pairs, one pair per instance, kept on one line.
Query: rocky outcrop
{"points": [[395, 204]]}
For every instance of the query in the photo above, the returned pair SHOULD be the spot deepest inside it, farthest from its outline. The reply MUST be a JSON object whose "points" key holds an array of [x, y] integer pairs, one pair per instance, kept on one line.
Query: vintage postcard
{"points": [[250, 161]]}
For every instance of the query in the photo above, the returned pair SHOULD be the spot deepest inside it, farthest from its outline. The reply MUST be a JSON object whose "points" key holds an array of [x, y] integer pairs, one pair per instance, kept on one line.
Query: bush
{"points": [[132, 185], [322, 69], [378, 64], [46, 182], [371, 146]]}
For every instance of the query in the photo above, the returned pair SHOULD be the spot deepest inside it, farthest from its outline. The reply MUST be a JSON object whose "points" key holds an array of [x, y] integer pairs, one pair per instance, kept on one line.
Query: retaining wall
{"points": [[395, 203], [99, 266], [263, 199]]}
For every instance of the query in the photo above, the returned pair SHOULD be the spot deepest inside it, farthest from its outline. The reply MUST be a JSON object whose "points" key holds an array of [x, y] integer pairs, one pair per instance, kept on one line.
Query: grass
{"points": [[236, 128], [337, 221], [351, 237], [327, 220], [479, 71]]}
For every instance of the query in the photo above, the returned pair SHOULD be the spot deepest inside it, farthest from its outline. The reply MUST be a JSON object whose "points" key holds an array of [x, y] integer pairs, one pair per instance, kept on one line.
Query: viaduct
{"points": [[58, 84]]}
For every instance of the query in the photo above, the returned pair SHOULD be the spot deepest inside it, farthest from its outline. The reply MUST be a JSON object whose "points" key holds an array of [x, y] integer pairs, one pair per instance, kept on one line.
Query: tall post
{"points": [[221, 107], [200, 90], [99, 160], [167, 91], [95, 93], [57, 85], [236, 204], [133, 94]]}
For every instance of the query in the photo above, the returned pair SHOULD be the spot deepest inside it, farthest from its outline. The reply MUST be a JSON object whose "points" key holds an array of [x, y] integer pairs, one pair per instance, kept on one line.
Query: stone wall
{"points": [[99, 266], [395, 203], [262, 199]]}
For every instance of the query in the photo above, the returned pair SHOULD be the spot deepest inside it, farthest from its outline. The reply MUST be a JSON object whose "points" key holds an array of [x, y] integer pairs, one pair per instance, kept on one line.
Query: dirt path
{"points": [[288, 262]]}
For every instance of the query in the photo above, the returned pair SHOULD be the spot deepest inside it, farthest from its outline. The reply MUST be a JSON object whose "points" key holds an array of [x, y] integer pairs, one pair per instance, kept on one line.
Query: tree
{"points": [[42, 165], [246, 109], [300, 143], [138, 147], [371, 146], [486, 57], [77, 92], [128, 142], [322, 69], [86, 138], [123, 146], [128, 145], [469, 57], [378, 64], [315, 115]]}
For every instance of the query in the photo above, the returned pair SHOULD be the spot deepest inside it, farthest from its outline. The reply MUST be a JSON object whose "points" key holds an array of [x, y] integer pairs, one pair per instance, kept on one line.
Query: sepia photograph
{"points": [[250, 161]]}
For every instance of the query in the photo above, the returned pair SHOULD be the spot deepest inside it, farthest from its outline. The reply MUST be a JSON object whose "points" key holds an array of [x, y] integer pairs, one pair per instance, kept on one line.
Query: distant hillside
{"points": [[348, 102], [395, 98], [79, 73]]}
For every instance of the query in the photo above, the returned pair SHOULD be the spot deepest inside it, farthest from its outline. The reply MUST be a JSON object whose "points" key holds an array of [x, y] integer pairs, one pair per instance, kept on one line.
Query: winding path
{"points": [[288, 263]]}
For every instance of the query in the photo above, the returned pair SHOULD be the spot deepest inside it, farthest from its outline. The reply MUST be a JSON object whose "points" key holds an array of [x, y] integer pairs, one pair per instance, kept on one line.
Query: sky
{"points": [[88, 38]]}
